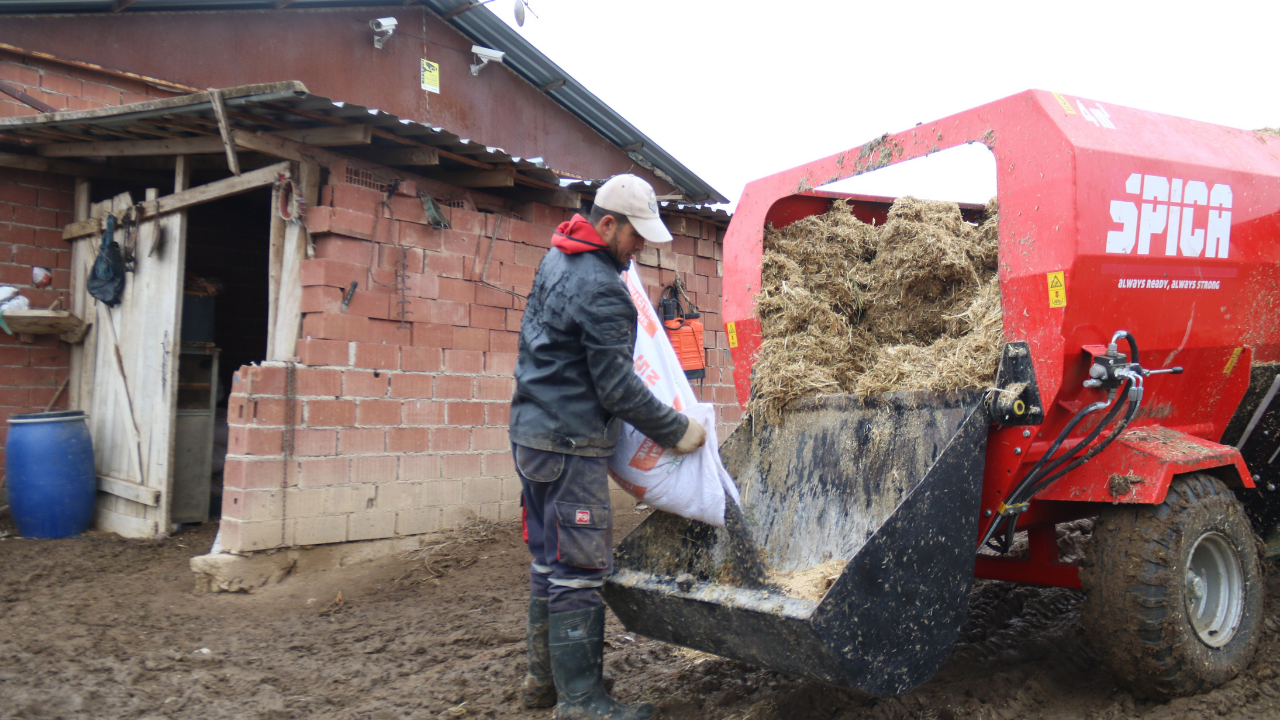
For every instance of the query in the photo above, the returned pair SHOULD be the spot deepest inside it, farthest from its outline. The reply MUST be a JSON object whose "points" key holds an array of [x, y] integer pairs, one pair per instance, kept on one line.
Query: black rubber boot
{"points": [[577, 656], [539, 688]]}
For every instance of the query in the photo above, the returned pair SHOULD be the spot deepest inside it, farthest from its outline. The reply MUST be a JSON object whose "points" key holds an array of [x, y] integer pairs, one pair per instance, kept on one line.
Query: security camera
{"points": [[382, 29], [485, 55]]}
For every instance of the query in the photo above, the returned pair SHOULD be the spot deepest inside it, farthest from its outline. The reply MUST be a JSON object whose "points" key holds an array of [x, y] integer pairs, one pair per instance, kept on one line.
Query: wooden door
{"points": [[124, 373]]}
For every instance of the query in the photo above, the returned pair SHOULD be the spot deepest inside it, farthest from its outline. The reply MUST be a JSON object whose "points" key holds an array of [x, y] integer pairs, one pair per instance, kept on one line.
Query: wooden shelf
{"points": [[41, 322]]}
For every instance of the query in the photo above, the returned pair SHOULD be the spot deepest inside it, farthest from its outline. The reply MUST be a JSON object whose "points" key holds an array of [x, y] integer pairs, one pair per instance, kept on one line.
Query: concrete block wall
{"points": [[401, 427]]}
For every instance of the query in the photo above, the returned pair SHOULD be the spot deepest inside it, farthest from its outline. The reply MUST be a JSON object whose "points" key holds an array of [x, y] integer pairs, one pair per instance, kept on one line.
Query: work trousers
{"points": [[568, 525]]}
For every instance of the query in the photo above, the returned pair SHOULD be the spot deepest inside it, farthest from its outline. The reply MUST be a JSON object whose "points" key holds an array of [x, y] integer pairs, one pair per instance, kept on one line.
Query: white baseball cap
{"points": [[633, 197]]}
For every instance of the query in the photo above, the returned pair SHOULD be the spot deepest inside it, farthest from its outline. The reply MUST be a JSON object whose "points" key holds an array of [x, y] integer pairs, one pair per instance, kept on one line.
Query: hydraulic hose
{"points": [[1033, 477], [1134, 404]]}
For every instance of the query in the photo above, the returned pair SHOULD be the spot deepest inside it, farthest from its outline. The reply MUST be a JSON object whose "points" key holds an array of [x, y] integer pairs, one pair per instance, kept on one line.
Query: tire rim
{"points": [[1215, 589]]}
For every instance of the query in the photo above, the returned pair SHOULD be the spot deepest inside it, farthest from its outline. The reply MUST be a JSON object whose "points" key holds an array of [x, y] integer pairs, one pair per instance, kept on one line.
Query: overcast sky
{"points": [[740, 90]]}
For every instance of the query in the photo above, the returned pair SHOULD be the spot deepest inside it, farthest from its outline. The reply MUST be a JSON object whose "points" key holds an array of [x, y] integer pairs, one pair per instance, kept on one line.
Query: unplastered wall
{"points": [[394, 425]]}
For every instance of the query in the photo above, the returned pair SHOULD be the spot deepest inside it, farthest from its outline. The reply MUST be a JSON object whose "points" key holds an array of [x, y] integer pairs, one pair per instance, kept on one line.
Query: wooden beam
{"points": [[501, 177], [553, 85], [464, 8], [224, 127], [119, 5], [328, 136], [16, 93], [183, 199], [129, 490], [554, 198], [421, 156], [126, 148], [66, 167]]}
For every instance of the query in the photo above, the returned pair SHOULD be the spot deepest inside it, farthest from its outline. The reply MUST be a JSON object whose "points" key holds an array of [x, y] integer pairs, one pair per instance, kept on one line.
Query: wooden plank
{"points": [[224, 129], [65, 167], [154, 106], [568, 199], [16, 93], [423, 156], [41, 322], [334, 135], [81, 228], [129, 490], [289, 295], [269, 144], [205, 145], [502, 177]]}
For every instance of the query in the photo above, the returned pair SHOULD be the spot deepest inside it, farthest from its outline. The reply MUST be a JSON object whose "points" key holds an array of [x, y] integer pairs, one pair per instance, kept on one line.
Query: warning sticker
{"points": [[1057, 289], [430, 76], [1065, 103], [732, 329], [1231, 361]]}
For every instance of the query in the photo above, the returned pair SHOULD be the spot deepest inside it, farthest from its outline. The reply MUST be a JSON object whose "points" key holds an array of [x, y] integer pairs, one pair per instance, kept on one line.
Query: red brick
{"points": [[445, 264], [16, 72], [468, 222], [248, 474], [344, 249], [423, 285], [365, 383], [267, 410], [332, 326], [489, 438], [463, 361], [421, 359], [372, 305], [471, 339], [460, 242], [378, 412], [500, 363], [420, 236], [528, 256], [265, 380], [407, 439], [493, 298], [333, 273], [488, 317], [40, 217], [61, 84], [311, 443], [443, 312], [312, 351], [35, 377], [249, 440], [434, 336], [498, 464], [319, 298], [382, 357], [706, 266], [100, 93], [423, 412], [497, 413], [361, 440], [452, 386], [706, 248], [465, 413], [312, 381], [493, 388], [331, 413], [682, 244], [405, 385], [354, 197], [460, 466], [517, 275], [503, 341], [513, 320], [450, 439], [459, 291], [325, 471], [19, 194]]}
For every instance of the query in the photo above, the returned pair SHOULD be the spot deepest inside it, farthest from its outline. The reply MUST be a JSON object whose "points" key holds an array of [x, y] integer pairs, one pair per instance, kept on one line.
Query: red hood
{"points": [[577, 236]]}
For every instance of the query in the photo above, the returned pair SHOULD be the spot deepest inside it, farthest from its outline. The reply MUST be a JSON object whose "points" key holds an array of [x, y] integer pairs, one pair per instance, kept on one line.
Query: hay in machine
{"points": [[848, 307]]}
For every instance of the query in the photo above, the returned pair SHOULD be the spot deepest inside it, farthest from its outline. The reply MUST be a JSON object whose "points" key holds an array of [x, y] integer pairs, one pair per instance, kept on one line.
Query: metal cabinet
{"points": [[193, 433]]}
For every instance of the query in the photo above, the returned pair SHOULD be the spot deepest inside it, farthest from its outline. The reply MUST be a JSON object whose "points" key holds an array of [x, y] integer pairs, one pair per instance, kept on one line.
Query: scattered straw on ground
{"points": [[446, 555], [849, 307]]}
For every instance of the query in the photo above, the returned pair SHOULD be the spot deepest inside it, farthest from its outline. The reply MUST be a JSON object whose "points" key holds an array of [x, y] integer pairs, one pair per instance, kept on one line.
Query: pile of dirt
{"points": [[849, 307]]}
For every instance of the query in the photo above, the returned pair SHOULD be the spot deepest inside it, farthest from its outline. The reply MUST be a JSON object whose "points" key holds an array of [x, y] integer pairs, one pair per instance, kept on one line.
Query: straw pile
{"points": [[848, 307]]}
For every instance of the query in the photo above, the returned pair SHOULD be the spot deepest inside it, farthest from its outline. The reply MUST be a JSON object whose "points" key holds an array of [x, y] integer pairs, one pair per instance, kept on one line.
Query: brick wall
{"points": [[67, 88], [403, 430]]}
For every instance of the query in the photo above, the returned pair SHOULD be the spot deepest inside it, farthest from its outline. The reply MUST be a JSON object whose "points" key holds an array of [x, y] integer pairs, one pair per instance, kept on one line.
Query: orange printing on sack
{"points": [[648, 320], [647, 456], [636, 491]]}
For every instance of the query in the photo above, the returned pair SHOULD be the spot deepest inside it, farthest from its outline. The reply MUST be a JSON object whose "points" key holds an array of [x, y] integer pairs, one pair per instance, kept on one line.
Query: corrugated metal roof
{"points": [[483, 27], [288, 106]]}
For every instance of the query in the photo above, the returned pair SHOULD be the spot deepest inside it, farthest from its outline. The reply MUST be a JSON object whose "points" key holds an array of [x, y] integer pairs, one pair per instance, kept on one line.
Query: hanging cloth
{"points": [[106, 280]]}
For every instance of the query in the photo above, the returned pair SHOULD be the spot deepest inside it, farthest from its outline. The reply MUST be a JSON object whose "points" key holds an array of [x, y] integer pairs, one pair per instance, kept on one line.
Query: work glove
{"points": [[693, 438]]}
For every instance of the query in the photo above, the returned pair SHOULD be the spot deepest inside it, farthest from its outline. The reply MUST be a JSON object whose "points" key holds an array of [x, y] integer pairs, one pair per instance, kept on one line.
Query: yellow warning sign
{"points": [[1231, 362], [732, 329], [1057, 289], [1065, 103], [430, 76]]}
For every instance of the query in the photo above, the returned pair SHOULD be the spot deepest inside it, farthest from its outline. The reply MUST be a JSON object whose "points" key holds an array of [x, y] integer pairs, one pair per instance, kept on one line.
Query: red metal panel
{"points": [[1082, 190]]}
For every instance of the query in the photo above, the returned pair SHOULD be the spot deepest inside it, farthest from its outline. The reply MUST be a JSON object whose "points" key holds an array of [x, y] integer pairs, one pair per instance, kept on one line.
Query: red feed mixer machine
{"points": [[1140, 273]]}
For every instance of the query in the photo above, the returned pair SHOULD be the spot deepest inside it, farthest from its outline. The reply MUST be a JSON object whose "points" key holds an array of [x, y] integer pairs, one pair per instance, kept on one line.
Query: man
{"points": [[575, 384]]}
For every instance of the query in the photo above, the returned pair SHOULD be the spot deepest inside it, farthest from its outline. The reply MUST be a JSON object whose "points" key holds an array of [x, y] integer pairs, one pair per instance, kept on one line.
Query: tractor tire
{"points": [[1173, 592]]}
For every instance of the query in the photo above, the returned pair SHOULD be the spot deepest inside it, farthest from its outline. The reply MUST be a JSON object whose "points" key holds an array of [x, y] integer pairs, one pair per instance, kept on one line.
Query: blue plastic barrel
{"points": [[49, 461]]}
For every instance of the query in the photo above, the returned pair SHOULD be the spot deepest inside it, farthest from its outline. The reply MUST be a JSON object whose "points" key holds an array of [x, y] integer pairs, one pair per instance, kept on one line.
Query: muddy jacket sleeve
{"points": [[608, 320]]}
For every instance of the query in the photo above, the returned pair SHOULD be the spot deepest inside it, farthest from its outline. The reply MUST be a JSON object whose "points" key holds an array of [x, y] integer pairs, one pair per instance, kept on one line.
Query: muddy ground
{"points": [[100, 627]]}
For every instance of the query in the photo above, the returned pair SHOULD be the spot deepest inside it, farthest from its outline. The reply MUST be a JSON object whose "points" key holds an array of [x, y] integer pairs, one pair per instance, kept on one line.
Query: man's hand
{"points": [[692, 439]]}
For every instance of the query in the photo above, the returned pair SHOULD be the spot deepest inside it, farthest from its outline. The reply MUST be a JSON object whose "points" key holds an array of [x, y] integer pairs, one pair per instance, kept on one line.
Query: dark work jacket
{"points": [[575, 377]]}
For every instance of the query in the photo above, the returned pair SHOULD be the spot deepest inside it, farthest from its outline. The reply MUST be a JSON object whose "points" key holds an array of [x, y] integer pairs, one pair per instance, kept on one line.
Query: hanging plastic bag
{"points": [[693, 485], [106, 279]]}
